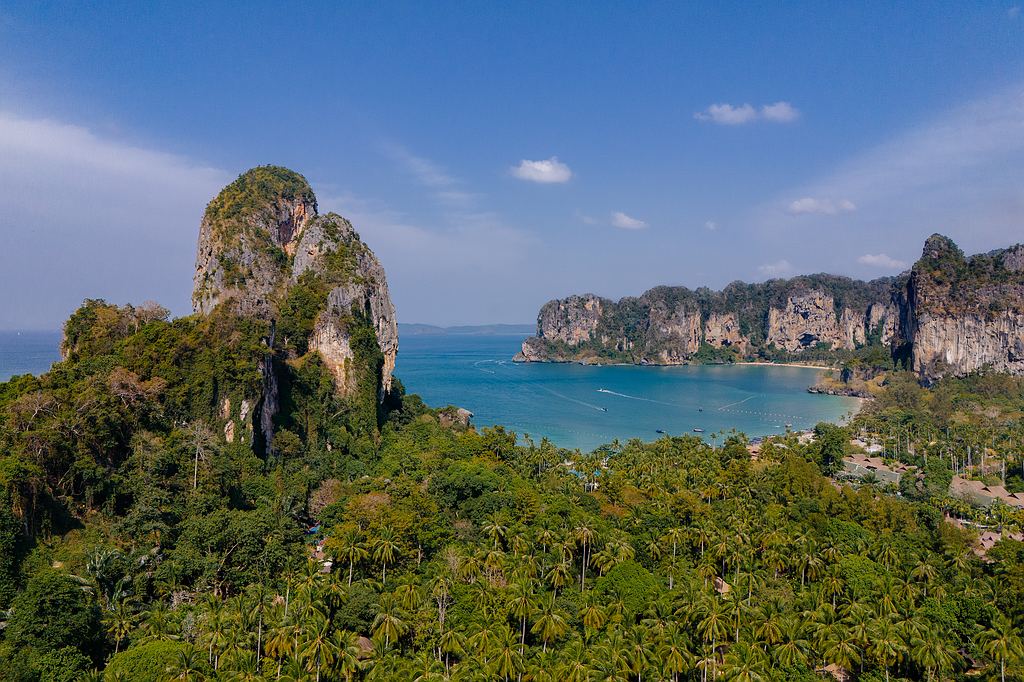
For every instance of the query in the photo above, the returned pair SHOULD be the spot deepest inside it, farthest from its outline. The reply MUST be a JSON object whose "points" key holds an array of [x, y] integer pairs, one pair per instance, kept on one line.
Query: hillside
{"points": [[948, 315], [247, 493]]}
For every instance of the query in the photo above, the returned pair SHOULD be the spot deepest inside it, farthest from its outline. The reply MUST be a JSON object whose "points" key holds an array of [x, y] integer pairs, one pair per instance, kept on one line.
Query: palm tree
{"points": [[713, 626], [521, 606], [495, 529], [120, 621], [388, 622], [350, 547], [559, 575], [886, 646], [841, 649], [673, 652], [157, 623], [385, 550], [792, 650], [744, 663], [318, 647], [1002, 643], [189, 665], [674, 535], [551, 624], [585, 536], [508, 659], [933, 654]]}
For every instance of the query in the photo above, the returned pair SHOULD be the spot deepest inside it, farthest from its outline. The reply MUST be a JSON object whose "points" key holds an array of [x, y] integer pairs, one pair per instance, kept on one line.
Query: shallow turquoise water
{"points": [[574, 406], [578, 406]]}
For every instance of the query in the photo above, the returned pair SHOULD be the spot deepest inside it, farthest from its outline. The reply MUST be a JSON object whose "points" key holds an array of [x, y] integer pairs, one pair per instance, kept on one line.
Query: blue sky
{"points": [[499, 155]]}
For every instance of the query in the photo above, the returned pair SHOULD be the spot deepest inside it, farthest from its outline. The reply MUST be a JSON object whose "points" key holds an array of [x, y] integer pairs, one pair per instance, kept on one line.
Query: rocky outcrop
{"points": [[960, 315], [808, 319], [363, 295], [722, 330], [246, 235], [265, 253], [948, 315], [571, 321]]}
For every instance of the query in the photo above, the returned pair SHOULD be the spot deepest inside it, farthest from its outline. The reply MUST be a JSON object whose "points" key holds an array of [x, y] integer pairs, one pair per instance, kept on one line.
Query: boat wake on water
{"points": [[636, 397], [573, 400]]}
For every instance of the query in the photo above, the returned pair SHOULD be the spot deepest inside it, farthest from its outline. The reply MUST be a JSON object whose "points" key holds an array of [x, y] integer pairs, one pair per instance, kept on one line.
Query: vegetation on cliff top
{"points": [[135, 538], [255, 190]]}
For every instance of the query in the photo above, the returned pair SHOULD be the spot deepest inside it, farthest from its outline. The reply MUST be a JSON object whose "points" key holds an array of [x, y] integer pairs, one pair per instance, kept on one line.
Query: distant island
{"points": [[949, 314], [413, 329]]}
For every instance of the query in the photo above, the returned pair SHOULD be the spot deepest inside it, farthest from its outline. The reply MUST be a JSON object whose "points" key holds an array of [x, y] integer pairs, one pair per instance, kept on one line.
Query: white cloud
{"points": [[776, 269], [626, 222], [546, 171], [821, 206], [780, 112], [86, 215], [739, 114], [710, 225], [727, 114], [882, 260]]}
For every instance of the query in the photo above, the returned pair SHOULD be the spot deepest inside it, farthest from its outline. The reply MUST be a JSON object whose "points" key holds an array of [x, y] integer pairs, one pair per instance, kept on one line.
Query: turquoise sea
{"points": [[573, 405], [585, 406]]}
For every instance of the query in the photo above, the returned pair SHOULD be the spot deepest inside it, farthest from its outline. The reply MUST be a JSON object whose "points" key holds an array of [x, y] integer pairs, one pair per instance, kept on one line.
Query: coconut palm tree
{"points": [[385, 550], [585, 536], [389, 622], [551, 623], [933, 654], [521, 606], [744, 663], [792, 650], [319, 646], [349, 546], [120, 622], [495, 529], [188, 666], [1001, 642], [886, 645]]}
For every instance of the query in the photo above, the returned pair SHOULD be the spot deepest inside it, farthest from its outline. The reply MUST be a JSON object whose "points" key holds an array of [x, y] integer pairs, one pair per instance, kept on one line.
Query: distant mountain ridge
{"points": [[414, 329], [949, 314]]}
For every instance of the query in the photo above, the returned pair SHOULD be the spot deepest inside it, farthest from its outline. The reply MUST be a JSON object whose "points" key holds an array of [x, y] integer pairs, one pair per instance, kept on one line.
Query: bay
{"points": [[578, 406], [575, 406]]}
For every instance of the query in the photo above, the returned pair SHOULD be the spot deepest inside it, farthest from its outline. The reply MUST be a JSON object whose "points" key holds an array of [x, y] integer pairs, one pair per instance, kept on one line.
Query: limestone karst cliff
{"points": [[264, 252], [948, 315], [960, 314]]}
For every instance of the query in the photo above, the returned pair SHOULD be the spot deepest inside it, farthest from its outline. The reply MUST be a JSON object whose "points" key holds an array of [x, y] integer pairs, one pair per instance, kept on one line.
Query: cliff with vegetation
{"points": [[265, 254], [948, 315], [148, 533]]}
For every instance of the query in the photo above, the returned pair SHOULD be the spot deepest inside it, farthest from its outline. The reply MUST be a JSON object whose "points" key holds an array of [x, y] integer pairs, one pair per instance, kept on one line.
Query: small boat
{"points": [[697, 429], [604, 409], [789, 426], [658, 431]]}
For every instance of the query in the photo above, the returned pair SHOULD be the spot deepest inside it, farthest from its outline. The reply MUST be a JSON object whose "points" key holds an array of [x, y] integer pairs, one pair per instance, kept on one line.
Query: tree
{"points": [[55, 611], [385, 549], [1002, 643], [551, 623]]}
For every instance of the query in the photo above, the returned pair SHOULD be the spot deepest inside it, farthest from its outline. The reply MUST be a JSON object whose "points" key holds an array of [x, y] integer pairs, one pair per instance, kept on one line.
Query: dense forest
{"points": [[399, 544]]}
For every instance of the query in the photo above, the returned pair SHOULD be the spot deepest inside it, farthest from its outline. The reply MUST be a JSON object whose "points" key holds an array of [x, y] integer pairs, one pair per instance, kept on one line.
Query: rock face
{"points": [[265, 253], [572, 320], [364, 294], [948, 315], [960, 315]]}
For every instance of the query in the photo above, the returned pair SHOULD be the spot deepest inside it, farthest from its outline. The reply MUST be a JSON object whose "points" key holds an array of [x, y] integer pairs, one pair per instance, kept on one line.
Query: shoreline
{"points": [[762, 363]]}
